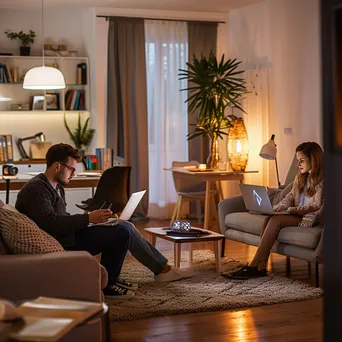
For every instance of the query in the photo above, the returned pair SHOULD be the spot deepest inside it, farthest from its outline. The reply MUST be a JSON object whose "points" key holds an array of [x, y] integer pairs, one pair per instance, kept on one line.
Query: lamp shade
{"points": [[44, 78], [269, 150], [238, 147]]}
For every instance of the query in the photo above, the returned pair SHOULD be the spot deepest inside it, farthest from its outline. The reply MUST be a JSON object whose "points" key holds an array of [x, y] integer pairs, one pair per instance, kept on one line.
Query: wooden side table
{"points": [[160, 232]]}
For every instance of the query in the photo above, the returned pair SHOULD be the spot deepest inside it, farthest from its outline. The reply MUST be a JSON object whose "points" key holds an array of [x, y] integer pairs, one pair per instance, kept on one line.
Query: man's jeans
{"points": [[142, 250]]}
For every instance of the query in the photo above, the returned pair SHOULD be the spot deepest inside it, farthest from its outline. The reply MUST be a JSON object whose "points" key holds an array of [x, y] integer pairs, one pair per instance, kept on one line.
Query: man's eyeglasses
{"points": [[73, 170]]}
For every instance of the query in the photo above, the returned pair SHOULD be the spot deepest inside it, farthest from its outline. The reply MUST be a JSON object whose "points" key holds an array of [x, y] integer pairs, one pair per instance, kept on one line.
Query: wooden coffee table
{"points": [[160, 232]]}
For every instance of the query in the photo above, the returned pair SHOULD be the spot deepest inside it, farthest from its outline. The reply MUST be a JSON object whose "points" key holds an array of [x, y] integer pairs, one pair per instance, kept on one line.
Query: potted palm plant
{"points": [[214, 87], [26, 40]]}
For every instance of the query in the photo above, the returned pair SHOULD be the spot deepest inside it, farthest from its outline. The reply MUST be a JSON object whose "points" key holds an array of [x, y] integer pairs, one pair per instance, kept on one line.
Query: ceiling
{"points": [[171, 5]]}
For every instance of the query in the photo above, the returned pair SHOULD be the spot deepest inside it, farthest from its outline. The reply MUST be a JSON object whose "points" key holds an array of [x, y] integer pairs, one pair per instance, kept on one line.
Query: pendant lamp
{"points": [[5, 99], [43, 77]]}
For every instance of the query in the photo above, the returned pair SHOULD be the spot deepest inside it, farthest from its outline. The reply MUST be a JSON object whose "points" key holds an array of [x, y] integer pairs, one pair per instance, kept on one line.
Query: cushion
{"points": [[245, 222], [277, 195], [3, 248], [300, 236], [23, 236]]}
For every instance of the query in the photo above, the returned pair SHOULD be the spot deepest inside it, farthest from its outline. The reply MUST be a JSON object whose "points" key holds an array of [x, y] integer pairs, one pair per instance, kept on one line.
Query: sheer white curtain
{"points": [[166, 53]]}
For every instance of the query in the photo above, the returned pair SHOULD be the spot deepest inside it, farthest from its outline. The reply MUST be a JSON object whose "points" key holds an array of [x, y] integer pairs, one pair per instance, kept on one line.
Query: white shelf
{"points": [[45, 57], [26, 112], [67, 65], [21, 84]]}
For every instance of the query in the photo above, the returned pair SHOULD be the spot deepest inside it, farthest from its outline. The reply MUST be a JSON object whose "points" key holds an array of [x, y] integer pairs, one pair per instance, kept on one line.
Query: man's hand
{"points": [[100, 215]]}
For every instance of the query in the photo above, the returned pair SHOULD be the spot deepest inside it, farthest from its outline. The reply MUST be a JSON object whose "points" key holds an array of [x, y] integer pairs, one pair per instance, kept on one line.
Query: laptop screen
{"points": [[132, 205]]}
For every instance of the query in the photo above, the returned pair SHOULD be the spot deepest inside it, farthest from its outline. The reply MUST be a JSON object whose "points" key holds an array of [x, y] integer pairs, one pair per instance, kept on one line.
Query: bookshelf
{"points": [[68, 66]]}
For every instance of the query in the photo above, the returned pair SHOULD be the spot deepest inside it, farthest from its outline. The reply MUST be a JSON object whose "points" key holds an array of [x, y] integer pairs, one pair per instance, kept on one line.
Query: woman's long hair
{"points": [[311, 179]]}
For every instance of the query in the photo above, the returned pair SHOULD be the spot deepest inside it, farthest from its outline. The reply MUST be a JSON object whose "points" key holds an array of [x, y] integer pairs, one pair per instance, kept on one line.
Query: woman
{"points": [[303, 206]]}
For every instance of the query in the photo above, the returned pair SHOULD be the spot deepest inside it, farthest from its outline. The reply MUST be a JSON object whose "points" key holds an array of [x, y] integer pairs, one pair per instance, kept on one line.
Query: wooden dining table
{"points": [[209, 177]]}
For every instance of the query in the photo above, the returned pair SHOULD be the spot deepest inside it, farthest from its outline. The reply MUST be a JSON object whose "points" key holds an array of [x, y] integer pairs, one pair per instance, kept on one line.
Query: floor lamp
{"points": [[269, 151]]}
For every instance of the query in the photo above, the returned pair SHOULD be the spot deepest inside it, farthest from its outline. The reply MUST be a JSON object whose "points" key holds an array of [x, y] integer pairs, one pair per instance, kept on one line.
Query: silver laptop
{"points": [[127, 212], [256, 199]]}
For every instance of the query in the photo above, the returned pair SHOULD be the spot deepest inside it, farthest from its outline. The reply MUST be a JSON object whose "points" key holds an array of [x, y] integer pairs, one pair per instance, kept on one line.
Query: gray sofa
{"points": [[297, 242]]}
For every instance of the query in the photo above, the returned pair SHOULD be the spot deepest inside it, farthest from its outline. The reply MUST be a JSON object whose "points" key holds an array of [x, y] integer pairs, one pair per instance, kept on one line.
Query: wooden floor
{"points": [[298, 321]]}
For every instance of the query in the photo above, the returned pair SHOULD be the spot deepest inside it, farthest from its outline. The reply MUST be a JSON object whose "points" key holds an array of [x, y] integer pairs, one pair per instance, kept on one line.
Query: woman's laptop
{"points": [[256, 200]]}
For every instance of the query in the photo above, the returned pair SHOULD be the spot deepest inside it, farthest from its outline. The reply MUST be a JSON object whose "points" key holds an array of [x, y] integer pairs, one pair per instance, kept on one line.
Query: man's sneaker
{"points": [[173, 275], [117, 292], [126, 284]]}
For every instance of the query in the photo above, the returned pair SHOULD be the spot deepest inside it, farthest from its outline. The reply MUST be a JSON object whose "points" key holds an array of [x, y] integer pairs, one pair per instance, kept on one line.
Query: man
{"points": [[43, 200]]}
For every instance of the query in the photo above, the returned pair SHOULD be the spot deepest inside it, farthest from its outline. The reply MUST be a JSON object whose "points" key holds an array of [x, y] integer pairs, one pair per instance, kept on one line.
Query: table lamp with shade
{"points": [[269, 151]]}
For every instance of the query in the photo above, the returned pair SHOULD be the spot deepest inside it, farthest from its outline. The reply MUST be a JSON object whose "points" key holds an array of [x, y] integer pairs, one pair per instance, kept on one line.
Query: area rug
{"points": [[205, 291]]}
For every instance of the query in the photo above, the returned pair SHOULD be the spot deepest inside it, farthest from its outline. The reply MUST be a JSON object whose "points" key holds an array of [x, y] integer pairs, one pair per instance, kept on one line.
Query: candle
{"points": [[202, 167]]}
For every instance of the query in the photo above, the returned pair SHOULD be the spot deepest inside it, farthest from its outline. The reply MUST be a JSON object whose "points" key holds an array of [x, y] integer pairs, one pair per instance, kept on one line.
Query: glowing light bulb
{"points": [[238, 146]]}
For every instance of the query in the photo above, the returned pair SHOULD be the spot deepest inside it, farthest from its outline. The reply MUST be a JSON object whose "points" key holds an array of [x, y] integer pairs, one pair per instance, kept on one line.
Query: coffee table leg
{"points": [[190, 252], [152, 239], [217, 252], [177, 254]]}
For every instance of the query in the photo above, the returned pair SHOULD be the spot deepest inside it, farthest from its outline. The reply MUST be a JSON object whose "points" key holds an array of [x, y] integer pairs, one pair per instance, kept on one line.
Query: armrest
{"points": [[73, 275], [227, 206]]}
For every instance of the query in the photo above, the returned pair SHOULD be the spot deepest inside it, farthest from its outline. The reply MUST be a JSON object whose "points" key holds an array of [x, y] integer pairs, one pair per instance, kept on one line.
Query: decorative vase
{"points": [[238, 145], [25, 50], [214, 155]]}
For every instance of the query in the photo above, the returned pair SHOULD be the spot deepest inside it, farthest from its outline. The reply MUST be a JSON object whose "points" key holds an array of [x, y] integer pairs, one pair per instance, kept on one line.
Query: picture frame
{"points": [[52, 101], [37, 102]]}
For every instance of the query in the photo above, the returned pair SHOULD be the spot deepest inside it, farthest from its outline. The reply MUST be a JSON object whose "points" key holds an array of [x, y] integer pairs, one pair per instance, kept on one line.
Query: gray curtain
{"points": [[202, 39], [127, 120]]}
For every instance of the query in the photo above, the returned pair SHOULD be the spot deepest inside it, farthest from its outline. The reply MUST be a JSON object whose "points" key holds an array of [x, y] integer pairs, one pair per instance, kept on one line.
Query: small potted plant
{"points": [[26, 40], [81, 135]]}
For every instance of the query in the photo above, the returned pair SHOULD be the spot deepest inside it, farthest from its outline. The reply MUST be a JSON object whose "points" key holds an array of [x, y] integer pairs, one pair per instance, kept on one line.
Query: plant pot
{"points": [[214, 155], [25, 50]]}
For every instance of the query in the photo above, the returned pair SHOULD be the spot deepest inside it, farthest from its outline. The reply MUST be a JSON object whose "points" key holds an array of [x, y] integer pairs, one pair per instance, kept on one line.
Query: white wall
{"points": [[284, 36], [61, 27]]}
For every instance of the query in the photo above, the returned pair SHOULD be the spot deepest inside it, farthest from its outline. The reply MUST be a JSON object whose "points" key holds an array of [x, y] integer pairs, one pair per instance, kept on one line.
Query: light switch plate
{"points": [[288, 131]]}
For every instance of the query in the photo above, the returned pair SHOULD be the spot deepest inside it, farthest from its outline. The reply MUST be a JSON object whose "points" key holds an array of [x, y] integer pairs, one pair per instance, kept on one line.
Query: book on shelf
{"points": [[75, 100], [6, 148], [81, 73], [104, 158], [5, 75], [49, 319]]}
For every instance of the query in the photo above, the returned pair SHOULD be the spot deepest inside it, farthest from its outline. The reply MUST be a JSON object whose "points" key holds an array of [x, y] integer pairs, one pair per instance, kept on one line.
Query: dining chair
{"points": [[113, 187], [189, 189]]}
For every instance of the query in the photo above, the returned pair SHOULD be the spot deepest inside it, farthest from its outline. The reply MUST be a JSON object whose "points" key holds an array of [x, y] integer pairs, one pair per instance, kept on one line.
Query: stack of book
{"points": [[49, 319], [17, 106], [75, 100], [6, 148], [104, 157]]}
